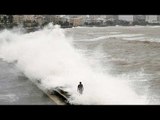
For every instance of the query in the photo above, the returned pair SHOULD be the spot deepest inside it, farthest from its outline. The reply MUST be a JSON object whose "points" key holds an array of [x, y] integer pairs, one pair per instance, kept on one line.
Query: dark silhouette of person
{"points": [[80, 88]]}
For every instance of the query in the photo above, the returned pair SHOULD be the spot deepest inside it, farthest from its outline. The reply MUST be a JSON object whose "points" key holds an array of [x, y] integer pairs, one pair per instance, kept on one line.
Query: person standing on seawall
{"points": [[80, 88]]}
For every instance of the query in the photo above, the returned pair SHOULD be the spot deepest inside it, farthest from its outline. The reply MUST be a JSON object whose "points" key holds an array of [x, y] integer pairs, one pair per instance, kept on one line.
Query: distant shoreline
{"points": [[34, 28]]}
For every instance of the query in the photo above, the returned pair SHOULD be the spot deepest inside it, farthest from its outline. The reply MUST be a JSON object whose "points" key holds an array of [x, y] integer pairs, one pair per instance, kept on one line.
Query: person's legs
{"points": [[80, 91]]}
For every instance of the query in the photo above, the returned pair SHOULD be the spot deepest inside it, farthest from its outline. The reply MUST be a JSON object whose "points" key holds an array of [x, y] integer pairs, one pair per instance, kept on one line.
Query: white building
{"points": [[18, 19], [152, 18], [28, 17], [39, 19], [128, 18]]}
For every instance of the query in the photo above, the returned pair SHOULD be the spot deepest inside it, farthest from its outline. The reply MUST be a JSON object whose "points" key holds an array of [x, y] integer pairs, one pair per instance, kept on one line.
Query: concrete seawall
{"points": [[58, 97]]}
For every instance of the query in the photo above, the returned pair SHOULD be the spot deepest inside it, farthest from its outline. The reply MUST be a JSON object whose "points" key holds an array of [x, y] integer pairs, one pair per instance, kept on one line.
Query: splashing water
{"points": [[48, 55]]}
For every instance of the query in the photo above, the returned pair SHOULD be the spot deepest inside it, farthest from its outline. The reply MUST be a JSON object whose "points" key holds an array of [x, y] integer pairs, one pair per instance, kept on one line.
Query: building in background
{"points": [[128, 18], [111, 17], [29, 17], [39, 19], [18, 19], [77, 21], [137, 18], [152, 18]]}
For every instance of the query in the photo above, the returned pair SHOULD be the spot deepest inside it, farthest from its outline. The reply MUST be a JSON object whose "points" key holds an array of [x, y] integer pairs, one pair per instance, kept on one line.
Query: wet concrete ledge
{"points": [[59, 96]]}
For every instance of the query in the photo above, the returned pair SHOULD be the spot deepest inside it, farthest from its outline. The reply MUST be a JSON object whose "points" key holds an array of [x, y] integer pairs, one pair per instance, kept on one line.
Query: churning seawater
{"points": [[117, 65]]}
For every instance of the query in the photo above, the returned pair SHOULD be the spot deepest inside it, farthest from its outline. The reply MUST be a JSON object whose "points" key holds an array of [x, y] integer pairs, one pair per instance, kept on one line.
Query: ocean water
{"points": [[117, 65]]}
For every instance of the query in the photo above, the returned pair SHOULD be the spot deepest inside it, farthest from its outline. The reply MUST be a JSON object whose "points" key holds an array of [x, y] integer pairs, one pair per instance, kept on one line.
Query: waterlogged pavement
{"points": [[15, 89]]}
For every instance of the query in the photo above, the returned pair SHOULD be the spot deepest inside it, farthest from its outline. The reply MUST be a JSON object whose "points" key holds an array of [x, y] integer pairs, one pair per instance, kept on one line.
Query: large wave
{"points": [[48, 55]]}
